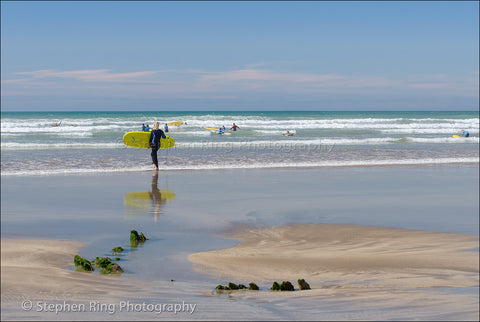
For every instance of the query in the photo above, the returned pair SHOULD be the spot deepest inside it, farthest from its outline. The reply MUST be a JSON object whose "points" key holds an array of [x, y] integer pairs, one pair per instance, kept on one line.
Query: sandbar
{"points": [[342, 255], [32, 268]]}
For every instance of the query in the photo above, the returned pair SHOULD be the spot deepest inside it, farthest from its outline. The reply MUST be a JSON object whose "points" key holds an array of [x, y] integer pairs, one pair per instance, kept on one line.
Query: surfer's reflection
{"points": [[156, 196], [155, 199]]}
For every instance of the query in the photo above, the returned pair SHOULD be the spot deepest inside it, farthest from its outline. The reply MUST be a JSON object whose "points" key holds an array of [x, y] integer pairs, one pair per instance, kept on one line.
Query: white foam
{"points": [[45, 146], [331, 163]]}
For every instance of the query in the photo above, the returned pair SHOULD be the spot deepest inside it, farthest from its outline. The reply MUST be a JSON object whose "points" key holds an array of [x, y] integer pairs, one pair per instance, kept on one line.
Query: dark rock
{"points": [[220, 287], [136, 239], [253, 287], [102, 262], [105, 265], [233, 286], [117, 249], [82, 264], [303, 285], [286, 286], [275, 287], [113, 268]]}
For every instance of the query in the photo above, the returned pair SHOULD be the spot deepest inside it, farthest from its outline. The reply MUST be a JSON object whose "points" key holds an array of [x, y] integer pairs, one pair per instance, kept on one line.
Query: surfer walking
{"points": [[154, 143], [234, 127]]}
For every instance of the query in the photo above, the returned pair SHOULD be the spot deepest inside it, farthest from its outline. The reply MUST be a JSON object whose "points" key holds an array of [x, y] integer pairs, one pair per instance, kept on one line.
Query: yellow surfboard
{"points": [[456, 136], [215, 130], [140, 139], [175, 123]]}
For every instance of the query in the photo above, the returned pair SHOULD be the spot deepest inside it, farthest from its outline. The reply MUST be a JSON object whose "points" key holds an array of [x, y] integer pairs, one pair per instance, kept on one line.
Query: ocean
{"points": [[91, 142]]}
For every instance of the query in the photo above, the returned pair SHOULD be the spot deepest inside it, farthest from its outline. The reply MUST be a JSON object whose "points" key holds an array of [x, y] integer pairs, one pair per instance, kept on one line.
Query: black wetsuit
{"points": [[155, 136]]}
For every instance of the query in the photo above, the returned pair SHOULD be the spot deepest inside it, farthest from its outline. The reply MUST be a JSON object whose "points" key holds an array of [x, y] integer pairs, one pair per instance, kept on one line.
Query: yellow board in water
{"points": [[215, 130], [140, 139], [456, 136], [175, 123]]}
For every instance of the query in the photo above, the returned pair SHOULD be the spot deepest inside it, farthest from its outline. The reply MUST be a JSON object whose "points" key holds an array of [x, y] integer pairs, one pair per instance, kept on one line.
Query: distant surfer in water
{"points": [[465, 133], [154, 143], [166, 127], [234, 127]]}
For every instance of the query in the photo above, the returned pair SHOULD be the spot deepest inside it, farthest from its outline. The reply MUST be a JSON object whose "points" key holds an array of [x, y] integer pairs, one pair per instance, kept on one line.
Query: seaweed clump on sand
{"points": [[82, 264], [117, 249], [285, 286], [106, 266], [232, 286], [303, 285], [136, 239]]}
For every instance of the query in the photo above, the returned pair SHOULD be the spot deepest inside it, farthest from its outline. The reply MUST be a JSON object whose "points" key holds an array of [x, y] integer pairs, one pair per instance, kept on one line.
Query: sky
{"points": [[239, 55]]}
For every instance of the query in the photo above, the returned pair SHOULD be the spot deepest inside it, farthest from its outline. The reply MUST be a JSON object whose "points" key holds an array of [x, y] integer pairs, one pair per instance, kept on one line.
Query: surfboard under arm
{"points": [[140, 139]]}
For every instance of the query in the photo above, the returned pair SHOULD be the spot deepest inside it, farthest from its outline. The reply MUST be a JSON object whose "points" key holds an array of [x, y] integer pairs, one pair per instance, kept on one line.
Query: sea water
{"points": [[91, 142]]}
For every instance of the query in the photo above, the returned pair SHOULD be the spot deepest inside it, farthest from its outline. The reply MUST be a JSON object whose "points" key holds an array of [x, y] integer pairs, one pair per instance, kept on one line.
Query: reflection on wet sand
{"points": [[144, 202]]}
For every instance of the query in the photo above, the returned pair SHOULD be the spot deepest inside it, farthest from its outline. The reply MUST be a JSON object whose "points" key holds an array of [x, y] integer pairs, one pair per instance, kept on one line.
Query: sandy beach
{"points": [[32, 268], [410, 252], [356, 272], [330, 255]]}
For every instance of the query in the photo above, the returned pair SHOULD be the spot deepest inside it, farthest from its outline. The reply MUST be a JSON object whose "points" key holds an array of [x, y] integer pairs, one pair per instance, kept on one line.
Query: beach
{"points": [[347, 256], [369, 253]]}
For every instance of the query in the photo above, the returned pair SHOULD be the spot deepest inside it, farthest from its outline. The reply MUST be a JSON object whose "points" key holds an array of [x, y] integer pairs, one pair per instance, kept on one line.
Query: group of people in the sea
{"points": [[147, 128], [223, 129], [156, 134]]}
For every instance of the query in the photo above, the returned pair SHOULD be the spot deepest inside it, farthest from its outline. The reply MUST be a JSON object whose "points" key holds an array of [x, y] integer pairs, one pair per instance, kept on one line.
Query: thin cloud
{"points": [[95, 75], [260, 78], [222, 84]]}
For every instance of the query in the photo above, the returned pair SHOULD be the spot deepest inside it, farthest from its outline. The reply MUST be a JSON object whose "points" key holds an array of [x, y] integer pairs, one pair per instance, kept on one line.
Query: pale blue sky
{"points": [[339, 55]]}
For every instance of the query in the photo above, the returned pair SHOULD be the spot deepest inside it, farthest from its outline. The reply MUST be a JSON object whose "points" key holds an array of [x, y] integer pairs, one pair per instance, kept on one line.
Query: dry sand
{"points": [[335, 255]]}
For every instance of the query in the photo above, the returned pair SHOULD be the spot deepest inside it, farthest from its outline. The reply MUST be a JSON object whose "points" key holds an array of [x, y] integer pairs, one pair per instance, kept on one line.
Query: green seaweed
{"points": [[106, 266], [303, 285], [117, 249], [285, 286], [275, 287], [136, 239], [82, 264]]}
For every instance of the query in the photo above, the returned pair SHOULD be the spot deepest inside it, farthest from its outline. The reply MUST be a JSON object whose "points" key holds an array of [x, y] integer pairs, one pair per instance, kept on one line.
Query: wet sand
{"points": [[334, 255], [360, 274]]}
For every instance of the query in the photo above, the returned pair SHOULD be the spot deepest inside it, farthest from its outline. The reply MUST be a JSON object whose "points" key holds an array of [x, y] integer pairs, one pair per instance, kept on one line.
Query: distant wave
{"points": [[287, 143]]}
